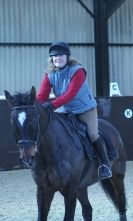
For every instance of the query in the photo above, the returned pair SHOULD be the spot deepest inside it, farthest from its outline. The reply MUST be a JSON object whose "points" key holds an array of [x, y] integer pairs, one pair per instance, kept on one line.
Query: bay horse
{"points": [[58, 160]]}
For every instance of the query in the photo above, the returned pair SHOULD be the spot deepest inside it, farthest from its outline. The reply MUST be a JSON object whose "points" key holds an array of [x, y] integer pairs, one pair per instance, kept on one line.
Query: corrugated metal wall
{"points": [[28, 26], [44, 21], [121, 56], [31, 22]]}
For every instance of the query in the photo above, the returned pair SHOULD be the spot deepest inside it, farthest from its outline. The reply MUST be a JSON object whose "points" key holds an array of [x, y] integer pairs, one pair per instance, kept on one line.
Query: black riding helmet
{"points": [[59, 48]]}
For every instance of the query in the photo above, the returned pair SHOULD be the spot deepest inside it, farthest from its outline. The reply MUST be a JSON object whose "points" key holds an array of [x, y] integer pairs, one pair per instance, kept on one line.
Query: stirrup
{"points": [[104, 172]]}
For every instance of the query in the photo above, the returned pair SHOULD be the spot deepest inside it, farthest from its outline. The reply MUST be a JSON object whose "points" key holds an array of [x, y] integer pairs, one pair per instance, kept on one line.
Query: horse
{"points": [[58, 160]]}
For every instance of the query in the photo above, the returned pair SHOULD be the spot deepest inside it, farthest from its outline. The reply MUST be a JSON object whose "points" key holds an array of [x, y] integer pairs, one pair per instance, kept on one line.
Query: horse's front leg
{"points": [[44, 199], [70, 203]]}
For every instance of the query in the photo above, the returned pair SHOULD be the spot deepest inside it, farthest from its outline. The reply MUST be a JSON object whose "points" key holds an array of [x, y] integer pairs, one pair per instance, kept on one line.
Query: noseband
{"points": [[35, 143]]}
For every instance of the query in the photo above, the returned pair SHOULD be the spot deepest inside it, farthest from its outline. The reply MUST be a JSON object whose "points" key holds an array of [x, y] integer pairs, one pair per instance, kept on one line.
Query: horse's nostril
{"points": [[31, 161], [23, 163], [20, 161]]}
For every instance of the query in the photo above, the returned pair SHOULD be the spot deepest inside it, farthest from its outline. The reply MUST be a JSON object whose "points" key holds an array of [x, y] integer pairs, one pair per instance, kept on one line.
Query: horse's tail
{"points": [[109, 191], [115, 191]]}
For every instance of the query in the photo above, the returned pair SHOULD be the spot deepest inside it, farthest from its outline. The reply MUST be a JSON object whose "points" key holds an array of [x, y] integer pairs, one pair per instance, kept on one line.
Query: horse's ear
{"points": [[9, 98], [33, 90], [33, 93]]}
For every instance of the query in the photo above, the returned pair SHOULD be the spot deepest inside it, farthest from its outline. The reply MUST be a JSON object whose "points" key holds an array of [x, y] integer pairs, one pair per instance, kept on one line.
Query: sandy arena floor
{"points": [[18, 199]]}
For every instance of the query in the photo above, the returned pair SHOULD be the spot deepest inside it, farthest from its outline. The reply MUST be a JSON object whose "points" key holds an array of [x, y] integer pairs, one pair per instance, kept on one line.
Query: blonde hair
{"points": [[70, 62]]}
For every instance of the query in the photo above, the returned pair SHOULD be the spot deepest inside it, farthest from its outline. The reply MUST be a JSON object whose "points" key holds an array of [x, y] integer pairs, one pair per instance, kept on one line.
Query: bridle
{"points": [[36, 143]]}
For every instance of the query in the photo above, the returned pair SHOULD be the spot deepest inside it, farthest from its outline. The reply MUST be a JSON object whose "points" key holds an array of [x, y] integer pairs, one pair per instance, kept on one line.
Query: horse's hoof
{"points": [[123, 217]]}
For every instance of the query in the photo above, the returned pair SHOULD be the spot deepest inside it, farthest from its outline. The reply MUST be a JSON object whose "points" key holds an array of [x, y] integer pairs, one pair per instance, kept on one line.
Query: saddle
{"points": [[81, 129]]}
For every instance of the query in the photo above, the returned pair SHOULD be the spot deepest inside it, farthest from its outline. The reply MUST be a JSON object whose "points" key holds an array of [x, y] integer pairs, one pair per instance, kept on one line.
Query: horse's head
{"points": [[25, 122]]}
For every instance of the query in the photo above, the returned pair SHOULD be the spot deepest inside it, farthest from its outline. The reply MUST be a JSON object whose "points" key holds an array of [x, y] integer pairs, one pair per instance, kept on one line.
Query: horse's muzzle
{"points": [[27, 154], [27, 162]]}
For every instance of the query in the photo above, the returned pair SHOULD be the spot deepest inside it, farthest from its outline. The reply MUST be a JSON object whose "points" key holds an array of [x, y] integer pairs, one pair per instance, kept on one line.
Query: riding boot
{"points": [[104, 170]]}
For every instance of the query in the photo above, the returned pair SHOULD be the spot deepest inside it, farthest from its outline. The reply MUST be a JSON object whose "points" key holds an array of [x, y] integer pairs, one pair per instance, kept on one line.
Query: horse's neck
{"points": [[44, 119]]}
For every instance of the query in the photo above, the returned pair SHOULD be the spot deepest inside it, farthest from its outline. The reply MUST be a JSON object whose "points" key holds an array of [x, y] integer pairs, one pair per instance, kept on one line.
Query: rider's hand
{"points": [[48, 106]]}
